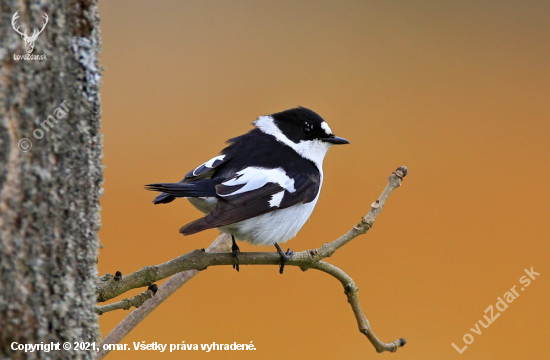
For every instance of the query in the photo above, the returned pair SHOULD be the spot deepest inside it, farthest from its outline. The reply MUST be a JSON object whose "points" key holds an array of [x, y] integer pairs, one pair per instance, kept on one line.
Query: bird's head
{"points": [[303, 130]]}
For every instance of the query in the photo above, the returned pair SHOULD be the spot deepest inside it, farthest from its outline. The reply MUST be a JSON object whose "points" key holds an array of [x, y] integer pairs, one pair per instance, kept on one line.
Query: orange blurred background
{"points": [[456, 91]]}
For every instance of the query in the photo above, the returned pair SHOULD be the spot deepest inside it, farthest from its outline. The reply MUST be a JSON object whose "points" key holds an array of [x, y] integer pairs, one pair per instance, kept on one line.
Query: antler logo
{"points": [[29, 40]]}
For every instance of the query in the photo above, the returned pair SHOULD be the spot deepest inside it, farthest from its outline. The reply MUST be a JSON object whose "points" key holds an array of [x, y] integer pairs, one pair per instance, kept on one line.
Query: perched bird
{"points": [[264, 185]]}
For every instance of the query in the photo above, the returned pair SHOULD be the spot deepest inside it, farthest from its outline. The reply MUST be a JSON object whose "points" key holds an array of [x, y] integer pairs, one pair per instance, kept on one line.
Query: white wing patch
{"points": [[209, 163], [325, 127], [255, 177], [276, 199]]}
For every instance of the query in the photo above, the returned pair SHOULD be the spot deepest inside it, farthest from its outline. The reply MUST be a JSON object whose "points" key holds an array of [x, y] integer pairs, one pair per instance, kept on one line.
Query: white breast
{"points": [[277, 226]]}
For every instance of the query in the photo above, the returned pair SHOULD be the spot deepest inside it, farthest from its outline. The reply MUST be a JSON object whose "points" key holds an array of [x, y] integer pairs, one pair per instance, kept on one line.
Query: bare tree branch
{"points": [[126, 304], [353, 298], [109, 288], [197, 260], [222, 243]]}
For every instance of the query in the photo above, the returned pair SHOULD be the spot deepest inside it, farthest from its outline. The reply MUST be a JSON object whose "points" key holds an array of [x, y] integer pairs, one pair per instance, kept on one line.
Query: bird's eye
{"points": [[308, 129]]}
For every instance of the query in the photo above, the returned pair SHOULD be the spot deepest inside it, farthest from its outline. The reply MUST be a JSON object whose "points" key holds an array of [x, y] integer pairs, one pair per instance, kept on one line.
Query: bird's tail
{"points": [[170, 191]]}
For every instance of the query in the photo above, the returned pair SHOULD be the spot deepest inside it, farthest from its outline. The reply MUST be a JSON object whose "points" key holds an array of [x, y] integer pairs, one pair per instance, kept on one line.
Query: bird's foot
{"points": [[235, 249], [284, 257]]}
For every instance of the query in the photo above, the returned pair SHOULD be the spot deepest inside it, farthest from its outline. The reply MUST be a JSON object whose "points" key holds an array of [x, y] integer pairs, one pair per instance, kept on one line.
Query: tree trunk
{"points": [[49, 194]]}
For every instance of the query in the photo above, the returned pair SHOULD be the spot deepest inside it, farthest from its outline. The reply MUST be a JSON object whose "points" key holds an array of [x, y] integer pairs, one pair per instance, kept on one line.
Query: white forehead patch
{"points": [[325, 127]]}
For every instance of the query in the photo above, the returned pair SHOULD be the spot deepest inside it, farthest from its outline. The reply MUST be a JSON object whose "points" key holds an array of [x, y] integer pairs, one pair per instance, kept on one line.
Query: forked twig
{"points": [[188, 265]]}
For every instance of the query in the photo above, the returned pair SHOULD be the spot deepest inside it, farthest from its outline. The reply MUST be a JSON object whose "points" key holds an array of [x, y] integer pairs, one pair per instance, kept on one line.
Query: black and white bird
{"points": [[264, 185]]}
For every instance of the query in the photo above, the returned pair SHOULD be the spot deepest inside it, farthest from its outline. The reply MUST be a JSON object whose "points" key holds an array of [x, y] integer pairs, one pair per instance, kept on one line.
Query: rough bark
{"points": [[49, 195]]}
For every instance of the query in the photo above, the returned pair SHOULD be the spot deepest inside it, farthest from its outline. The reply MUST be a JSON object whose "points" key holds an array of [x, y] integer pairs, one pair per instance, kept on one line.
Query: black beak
{"points": [[335, 140]]}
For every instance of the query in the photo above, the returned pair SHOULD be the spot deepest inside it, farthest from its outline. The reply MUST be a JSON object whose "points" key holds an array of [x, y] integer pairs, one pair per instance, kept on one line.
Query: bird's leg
{"points": [[236, 251], [284, 257]]}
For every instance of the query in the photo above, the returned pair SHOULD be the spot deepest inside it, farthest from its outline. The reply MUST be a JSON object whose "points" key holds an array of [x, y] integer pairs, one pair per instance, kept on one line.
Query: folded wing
{"points": [[254, 191]]}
